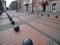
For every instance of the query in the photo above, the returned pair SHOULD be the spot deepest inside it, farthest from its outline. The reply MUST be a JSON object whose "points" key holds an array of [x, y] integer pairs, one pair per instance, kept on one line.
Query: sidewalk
{"points": [[35, 27]]}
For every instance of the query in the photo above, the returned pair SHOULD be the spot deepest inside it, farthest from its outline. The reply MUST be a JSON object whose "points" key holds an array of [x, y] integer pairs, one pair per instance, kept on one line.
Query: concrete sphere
{"points": [[27, 42], [16, 28], [12, 22]]}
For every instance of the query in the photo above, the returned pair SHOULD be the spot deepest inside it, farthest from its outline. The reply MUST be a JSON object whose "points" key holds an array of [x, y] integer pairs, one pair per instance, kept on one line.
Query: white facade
{"points": [[38, 6]]}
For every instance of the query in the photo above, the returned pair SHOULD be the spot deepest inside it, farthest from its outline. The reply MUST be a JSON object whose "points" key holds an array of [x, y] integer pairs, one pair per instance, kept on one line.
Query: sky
{"points": [[9, 1]]}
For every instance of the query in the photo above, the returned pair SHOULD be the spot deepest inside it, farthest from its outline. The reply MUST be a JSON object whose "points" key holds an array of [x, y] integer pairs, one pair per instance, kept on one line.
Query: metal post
{"points": [[32, 7], [17, 6]]}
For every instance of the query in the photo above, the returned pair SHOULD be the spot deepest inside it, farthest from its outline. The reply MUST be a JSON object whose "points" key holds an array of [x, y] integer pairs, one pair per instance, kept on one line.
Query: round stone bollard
{"points": [[56, 16], [27, 42], [16, 28], [8, 16], [33, 13], [41, 14], [48, 15], [12, 22], [10, 19], [37, 13]]}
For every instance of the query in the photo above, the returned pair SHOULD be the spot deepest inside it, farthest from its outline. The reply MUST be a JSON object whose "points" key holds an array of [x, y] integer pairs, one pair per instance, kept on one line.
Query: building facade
{"points": [[13, 5], [3, 4], [20, 4], [37, 5]]}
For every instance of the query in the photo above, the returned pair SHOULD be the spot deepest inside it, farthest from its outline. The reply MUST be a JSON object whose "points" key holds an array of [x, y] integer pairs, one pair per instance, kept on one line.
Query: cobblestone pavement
{"points": [[43, 30]]}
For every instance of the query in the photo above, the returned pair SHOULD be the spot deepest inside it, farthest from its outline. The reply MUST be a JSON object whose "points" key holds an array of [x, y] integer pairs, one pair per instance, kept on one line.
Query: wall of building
{"points": [[21, 5], [38, 6], [3, 4], [13, 5], [57, 5]]}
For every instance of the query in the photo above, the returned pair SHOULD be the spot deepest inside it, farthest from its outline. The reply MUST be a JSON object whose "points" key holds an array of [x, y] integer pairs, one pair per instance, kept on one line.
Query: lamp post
{"points": [[16, 6], [32, 7], [20, 5]]}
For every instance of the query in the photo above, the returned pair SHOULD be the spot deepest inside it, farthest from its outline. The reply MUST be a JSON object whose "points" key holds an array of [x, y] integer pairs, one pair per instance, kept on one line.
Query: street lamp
{"points": [[32, 7], [16, 6]]}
